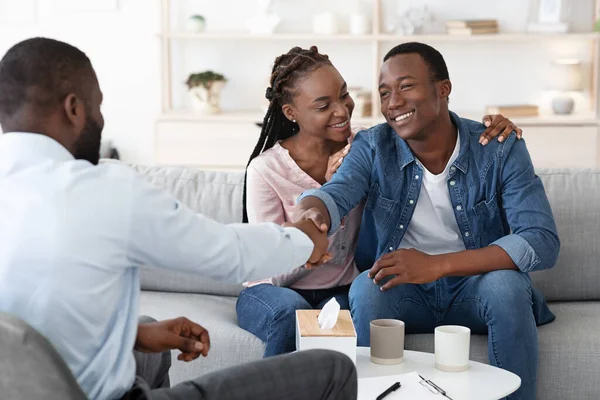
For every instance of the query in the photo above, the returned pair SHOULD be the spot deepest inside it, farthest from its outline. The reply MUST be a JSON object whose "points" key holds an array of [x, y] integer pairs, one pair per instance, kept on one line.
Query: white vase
{"points": [[325, 24], [206, 100], [563, 104], [359, 24]]}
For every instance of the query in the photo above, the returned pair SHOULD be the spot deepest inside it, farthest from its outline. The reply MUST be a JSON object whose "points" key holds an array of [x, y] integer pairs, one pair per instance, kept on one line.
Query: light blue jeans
{"points": [[498, 304], [269, 312]]}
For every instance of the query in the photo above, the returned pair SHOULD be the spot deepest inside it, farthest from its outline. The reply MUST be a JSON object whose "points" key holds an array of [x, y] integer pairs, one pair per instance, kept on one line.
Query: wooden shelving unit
{"points": [[235, 120]]}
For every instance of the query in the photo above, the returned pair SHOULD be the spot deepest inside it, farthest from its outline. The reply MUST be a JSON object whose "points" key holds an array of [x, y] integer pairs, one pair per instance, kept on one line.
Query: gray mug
{"points": [[387, 341]]}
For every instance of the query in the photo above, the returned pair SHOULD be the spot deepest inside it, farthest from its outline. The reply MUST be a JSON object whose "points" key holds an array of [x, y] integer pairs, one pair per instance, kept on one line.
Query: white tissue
{"points": [[329, 314]]}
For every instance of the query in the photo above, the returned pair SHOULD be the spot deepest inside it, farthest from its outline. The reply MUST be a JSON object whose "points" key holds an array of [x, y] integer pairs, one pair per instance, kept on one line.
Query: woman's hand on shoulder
{"points": [[335, 160]]}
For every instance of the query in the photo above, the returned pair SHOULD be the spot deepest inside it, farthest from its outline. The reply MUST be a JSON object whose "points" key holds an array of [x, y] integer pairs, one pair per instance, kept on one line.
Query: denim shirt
{"points": [[496, 196]]}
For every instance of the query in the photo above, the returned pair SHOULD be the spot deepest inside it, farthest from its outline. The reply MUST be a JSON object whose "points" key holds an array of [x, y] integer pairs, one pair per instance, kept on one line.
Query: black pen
{"points": [[392, 388]]}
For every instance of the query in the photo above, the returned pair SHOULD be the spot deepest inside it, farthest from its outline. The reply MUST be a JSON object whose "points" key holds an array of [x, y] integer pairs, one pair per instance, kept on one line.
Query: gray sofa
{"points": [[569, 347]]}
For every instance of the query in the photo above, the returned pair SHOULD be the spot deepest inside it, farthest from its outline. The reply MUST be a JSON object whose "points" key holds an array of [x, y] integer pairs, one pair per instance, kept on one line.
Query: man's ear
{"points": [[74, 110], [289, 112], [445, 88]]}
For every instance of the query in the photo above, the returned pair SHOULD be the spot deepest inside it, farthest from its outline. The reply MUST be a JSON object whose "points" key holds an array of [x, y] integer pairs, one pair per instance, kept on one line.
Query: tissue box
{"points": [[341, 338]]}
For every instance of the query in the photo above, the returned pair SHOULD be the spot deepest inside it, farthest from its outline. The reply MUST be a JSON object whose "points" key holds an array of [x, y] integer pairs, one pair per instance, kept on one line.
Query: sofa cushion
{"points": [[574, 196], [217, 195], [162, 280], [230, 344]]}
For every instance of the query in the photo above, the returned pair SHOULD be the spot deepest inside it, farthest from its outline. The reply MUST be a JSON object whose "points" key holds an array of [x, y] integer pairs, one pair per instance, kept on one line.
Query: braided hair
{"points": [[287, 70]]}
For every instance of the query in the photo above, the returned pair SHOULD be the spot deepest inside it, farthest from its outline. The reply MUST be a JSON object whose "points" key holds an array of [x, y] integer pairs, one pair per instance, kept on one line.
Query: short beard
{"points": [[87, 146]]}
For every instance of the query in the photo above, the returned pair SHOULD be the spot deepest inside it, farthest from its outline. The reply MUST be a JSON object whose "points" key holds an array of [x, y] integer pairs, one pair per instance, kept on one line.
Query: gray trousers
{"points": [[305, 375]]}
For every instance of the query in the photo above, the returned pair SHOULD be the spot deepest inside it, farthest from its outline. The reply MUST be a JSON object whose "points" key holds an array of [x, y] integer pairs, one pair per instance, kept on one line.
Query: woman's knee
{"points": [[275, 302]]}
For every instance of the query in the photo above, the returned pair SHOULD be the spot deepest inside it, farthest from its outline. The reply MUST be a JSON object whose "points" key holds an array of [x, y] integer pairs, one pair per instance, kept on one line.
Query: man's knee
{"points": [[363, 290], [505, 291], [340, 363]]}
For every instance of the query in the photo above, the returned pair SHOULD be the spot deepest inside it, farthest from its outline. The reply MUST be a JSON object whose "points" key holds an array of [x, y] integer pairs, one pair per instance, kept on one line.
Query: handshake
{"points": [[314, 225]]}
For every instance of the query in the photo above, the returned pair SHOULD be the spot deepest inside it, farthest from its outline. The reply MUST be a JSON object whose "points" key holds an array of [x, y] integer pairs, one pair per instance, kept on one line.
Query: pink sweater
{"points": [[274, 182]]}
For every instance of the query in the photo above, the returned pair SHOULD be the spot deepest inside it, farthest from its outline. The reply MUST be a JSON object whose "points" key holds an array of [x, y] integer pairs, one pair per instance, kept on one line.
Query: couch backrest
{"points": [[217, 195], [574, 196], [575, 199]]}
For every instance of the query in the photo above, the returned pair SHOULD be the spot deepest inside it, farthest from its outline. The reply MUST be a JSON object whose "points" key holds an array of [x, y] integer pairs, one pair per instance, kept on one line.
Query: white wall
{"points": [[124, 50]]}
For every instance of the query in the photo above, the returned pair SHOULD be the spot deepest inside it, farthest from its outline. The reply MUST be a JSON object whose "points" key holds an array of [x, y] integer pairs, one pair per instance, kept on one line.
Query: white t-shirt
{"points": [[433, 228]]}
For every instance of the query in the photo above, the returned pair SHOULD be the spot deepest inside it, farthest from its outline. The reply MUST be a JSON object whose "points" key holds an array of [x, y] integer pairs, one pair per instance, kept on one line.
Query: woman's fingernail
{"points": [[340, 160], [487, 123], [501, 139], [484, 142], [199, 346]]}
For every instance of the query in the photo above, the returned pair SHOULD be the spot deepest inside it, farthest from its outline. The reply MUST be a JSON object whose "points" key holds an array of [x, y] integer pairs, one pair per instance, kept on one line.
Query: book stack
{"points": [[516, 110], [472, 27]]}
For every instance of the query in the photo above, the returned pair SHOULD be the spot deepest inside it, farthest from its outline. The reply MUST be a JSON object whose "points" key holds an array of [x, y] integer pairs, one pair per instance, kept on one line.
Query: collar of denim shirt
{"points": [[461, 162]]}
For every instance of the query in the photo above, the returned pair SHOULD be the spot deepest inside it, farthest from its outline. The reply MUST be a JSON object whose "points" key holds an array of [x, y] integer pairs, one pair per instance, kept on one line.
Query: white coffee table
{"points": [[479, 382]]}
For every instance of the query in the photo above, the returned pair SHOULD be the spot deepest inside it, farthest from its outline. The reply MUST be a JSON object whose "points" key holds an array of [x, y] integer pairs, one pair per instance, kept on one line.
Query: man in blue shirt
{"points": [[451, 228], [75, 233]]}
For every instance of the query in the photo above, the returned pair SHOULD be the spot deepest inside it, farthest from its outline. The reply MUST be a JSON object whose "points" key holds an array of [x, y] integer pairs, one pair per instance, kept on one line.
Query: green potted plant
{"points": [[196, 23], [205, 91]]}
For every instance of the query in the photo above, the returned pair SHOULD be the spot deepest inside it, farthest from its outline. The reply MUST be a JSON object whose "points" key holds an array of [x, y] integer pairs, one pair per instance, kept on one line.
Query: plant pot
{"points": [[207, 100], [195, 25]]}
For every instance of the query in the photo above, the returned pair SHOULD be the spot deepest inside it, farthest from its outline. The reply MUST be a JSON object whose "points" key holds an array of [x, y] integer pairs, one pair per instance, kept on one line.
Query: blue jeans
{"points": [[269, 312], [498, 304]]}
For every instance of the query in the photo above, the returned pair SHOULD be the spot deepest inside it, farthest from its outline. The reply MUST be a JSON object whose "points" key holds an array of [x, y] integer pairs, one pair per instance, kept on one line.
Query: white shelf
{"points": [[499, 37], [278, 37], [254, 116]]}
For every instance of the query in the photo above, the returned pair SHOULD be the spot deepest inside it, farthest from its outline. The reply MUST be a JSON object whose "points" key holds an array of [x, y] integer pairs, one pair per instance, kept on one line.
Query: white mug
{"points": [[452, 344]]}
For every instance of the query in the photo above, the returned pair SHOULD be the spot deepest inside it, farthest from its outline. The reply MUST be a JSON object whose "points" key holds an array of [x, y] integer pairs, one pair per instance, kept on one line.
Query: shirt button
{"points": [[411, 201], [343, 247], [401, 226], [452, 183], [453, 168], [416, 176], [467, 234], [459, 207], [391, 249]]}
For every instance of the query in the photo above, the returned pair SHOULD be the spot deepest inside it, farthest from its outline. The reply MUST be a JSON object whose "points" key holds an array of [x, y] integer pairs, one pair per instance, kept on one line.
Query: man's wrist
{"points": [[444, 265]]}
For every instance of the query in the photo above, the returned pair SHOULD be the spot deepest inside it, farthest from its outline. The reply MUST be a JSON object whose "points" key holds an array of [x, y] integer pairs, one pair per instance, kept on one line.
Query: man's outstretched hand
{"points": [[180, 333], [319, 239]]}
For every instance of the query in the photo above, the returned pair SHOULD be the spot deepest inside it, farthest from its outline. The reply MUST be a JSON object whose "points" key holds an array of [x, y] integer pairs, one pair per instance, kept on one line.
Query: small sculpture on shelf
{"points": [[409, 20], [205, 91]]}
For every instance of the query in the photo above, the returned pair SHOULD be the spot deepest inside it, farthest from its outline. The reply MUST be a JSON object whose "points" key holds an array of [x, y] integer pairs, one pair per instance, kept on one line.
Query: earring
{"points": [[294, 121]]}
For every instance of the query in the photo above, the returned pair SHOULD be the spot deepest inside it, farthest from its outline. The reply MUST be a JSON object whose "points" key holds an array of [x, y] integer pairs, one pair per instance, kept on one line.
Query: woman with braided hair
{"points": [[305, 135]]}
